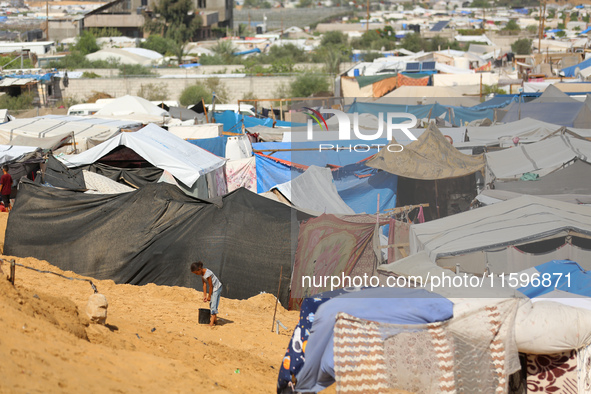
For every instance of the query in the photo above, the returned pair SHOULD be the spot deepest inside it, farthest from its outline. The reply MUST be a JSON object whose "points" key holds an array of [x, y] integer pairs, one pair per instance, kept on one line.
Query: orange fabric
{"points": [[384, 86], [403, 80], [486, 67]]}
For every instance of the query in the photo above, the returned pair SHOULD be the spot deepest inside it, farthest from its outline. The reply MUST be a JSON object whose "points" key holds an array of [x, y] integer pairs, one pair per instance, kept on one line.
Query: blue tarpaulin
{"points": [[499, 101], [216, 145], [38, 77], [232, 121], [359, 186], [190, 65], [271, 173], [457, 116], [255, 50], [564, 275], [308, 153], [570, 71]]}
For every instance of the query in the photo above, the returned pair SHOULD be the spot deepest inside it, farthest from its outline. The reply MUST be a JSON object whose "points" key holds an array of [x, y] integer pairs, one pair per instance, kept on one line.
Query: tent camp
{"points": [[51, 130], [161, 149], [507, 237], [153, 234]]}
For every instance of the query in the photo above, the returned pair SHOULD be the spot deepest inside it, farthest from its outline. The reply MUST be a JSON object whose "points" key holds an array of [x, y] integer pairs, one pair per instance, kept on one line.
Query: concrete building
{"points": [[128, 16]]}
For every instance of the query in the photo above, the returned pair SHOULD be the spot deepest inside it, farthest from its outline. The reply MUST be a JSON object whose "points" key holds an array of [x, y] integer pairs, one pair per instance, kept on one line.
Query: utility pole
{"points": [[541, 25], [47, 19], [367, 25]]}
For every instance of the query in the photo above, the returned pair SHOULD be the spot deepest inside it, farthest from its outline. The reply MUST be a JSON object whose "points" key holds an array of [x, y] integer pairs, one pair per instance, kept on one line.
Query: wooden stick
{"points": [[277, 300]]}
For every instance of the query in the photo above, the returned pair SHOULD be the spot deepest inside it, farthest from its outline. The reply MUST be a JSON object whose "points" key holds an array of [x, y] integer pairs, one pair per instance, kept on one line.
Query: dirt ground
{"points": [[152, 342]]}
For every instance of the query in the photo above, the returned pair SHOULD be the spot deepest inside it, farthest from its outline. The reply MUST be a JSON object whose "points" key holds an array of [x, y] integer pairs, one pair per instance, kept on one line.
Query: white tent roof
{"points": [[315, 190], [84, 128], [143, 52], [123, 56], [540, 157], [519, 220], [185, 161], [133, 108], [11, 152]]}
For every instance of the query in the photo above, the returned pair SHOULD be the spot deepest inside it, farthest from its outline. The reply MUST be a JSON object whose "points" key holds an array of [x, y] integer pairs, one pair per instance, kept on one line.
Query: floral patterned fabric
{"points": [[552, 373], [242, 173]]}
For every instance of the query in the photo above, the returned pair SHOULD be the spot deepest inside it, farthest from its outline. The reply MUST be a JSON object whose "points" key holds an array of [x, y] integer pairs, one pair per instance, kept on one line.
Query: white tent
{"points": [[131, 56], [315, 190], [87, 131], [541, 157], [135, 108], [486, 237], [185, 161]]}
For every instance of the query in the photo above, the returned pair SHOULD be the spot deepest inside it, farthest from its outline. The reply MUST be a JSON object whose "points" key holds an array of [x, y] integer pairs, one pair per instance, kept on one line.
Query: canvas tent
{"points": [[565, 113], [430, 157], [45, 131], [507, 237], [153, 234], [540, 158], [186, 162], [314, 190], [133, 108]]}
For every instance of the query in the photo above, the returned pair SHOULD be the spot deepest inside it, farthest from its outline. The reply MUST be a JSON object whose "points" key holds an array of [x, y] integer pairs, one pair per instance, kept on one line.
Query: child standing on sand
{"points": [[215, 289]]}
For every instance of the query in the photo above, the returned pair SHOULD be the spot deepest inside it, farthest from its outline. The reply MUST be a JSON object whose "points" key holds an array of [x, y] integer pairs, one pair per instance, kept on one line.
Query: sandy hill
{"points": [[152, 342]]}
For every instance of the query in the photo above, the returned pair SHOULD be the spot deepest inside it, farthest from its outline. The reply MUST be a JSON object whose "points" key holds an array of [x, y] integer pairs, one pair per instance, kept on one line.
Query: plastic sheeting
{"points": [[314, 190], [541, 157], [233, 121], [359, 186], [98, 184], [570, 114], [512, 222], [160, 148], [430, 157], [270, 172], [153, 234]]}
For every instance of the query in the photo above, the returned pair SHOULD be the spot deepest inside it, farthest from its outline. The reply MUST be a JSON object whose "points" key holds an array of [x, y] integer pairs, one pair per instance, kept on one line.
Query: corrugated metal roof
{"points": [[16, 81]]}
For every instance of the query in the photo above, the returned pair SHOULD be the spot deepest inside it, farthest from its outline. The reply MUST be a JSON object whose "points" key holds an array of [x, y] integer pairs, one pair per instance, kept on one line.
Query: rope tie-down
{"points": [[96, 308]]}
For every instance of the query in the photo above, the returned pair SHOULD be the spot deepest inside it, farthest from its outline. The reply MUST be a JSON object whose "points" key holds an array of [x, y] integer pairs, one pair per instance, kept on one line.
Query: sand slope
{"points": [[152, 342]]}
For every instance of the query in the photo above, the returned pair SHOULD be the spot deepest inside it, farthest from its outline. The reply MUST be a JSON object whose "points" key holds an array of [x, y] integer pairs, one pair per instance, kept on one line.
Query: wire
{"points": [[50, 272]]}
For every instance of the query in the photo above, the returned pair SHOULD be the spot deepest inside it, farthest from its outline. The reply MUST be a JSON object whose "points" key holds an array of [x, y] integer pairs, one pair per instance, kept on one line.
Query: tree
{"points": [[193, 94], [522, 46], [512, 26], [307, 84], [177, 21], [225, 50], [157, 43], [153, 92], [333, 38], [414, 43], [86, 43]]}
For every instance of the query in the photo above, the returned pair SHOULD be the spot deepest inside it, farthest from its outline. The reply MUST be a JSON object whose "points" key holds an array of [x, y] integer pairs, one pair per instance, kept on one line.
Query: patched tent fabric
{"points": [[430, 157], [153, 234], [471, 353], [540, 157], [407, 80], [242, 173], [315, 190], [56, 174], [134, 177], [331, 246], [162, 149], [573, 179], [492, 229]]}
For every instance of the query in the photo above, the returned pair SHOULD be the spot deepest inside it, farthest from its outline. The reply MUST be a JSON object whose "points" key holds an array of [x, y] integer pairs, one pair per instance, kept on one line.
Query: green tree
{"points": [[193, 94], [177, 21], [512, 26], [153, 91], [414, 43], [157, 43], [533, 29], [134, 70], [333, 38], [225, 50], [86, 43], [308, 84], [522, 46]]}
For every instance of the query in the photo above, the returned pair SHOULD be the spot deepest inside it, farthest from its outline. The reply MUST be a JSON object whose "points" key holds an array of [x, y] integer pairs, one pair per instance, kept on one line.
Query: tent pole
{"points": [[437, 200], [277, 299]]}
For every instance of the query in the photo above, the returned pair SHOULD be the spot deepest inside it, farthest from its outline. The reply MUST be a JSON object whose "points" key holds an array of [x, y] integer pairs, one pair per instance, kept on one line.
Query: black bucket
{"points": [[204, 316]]}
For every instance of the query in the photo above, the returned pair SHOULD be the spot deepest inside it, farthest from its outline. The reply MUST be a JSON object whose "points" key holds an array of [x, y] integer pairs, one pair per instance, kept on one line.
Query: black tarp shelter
{"points": [[153, 234]]}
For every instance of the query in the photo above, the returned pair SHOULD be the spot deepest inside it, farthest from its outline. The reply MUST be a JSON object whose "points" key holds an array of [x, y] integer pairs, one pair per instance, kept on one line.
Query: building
{"points": [[127, 16]]}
